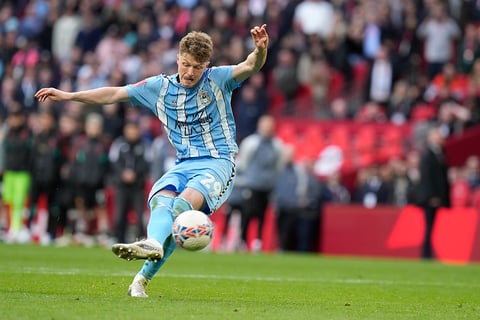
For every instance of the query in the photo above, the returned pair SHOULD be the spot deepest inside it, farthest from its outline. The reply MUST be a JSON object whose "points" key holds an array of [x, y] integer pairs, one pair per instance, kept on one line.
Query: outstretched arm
{"points": [[256, 59], [105, 95]]}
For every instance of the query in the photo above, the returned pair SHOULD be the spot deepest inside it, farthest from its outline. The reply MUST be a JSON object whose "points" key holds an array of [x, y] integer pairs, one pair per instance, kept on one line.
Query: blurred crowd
{"points": [[370, 60]]}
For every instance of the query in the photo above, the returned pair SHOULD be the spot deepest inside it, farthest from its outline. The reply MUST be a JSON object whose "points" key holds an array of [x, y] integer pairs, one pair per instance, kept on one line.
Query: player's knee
{"points": [[160, 200], [180, 205]]}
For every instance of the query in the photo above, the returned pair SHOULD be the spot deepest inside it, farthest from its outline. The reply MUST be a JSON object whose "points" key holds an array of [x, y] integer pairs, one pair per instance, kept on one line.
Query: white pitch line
{"points": [[381, 282]]}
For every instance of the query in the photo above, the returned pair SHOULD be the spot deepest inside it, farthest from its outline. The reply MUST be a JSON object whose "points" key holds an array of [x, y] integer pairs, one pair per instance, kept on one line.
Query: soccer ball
{"points": [[192, 230]]}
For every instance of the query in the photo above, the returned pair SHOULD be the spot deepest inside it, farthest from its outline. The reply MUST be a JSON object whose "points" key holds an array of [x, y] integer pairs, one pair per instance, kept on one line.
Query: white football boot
{"points": [[138, 287], [149, 249]]}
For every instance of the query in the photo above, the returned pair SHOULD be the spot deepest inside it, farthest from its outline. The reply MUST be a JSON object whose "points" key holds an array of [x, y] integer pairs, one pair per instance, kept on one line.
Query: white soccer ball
{"points": [[192, 230]]}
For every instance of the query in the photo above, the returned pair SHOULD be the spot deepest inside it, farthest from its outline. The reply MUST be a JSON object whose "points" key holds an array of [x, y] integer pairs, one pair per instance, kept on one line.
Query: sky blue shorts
{"points": [[212, 177]]}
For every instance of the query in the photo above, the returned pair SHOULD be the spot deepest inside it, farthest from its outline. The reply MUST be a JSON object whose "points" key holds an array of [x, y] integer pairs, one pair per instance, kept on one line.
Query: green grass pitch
{"points": [[91, 283]]}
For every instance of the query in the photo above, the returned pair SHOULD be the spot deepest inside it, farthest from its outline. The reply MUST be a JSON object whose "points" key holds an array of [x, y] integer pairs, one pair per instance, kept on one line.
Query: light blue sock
{"points": [[150, 268], [157, 229], [161, 218]]}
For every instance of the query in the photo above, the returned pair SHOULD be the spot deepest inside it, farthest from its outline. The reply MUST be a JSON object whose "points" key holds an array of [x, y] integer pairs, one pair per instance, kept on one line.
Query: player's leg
{"points": [[164, 209], [158, 229], [165, 206], [200, 189], [156, 248]]}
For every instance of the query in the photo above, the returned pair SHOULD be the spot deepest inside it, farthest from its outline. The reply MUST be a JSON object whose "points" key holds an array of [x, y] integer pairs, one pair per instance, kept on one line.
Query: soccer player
{"points": [[194, 106]]}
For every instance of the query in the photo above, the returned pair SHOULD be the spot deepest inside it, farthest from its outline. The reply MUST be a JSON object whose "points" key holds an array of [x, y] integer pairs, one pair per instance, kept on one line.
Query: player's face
{"points": [[189, 70]]}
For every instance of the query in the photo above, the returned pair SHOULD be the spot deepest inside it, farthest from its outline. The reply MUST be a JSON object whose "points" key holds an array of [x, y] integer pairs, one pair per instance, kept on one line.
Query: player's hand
{"points": [[53, 94], [260, 36]]}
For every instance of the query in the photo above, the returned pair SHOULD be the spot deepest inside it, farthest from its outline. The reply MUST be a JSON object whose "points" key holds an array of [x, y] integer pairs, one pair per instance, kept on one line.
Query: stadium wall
{"points": [[383, 231], [388, 231]]}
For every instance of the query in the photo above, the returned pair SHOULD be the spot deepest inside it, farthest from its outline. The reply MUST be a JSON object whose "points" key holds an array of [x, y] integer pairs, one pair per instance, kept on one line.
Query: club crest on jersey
{"points": [[204, 98]]}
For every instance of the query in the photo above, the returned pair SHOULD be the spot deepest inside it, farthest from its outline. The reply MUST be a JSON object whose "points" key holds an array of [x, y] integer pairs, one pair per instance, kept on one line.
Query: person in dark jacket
{"points": [[16, 178], [433, 188], [88, 170], [130, 168], [298, 199], [45, 171]]}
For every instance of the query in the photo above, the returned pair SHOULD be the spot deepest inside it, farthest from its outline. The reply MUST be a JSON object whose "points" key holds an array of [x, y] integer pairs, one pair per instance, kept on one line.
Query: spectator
{"points": [[402, 184], [381, 76], [129, 161], [371, 112], [314, 72], [400, 103], [33, 18], [314, 17], [286, 202], [409, 45], [439, 32], [65, 30], [26, 57], [113, 121], [339, 109], [372, 33], [298, 198], [8, 97], [146, 34], [45, 172], [336, 191], [372, 188], [16, 176], [88, 168], [250, 105], [434, 188], [412, 164], [68, 129], [89, 34], [26, 90], [111, 50], [312, 195], [284, 77], [448, 84], [469, 48], [260, 161], [8, 20], [452, 117]]}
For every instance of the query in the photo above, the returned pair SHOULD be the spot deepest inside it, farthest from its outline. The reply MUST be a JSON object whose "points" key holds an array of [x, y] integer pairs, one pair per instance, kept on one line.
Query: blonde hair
{"points": [[197, 44]]}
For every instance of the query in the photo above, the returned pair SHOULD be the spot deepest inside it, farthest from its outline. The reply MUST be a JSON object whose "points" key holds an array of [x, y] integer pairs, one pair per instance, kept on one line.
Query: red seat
{"points": [[315, 138], [391, 144], [340, 136], [365, 139], [287, 133]]}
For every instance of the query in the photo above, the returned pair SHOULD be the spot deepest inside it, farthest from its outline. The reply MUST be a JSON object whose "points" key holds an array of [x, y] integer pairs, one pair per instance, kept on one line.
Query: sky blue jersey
{"points": [[199, 120]]}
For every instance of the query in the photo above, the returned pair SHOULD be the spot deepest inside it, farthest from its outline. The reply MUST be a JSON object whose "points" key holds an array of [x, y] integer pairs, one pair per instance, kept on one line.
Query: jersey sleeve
{"points": [[145, 93], [223, 77]]}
